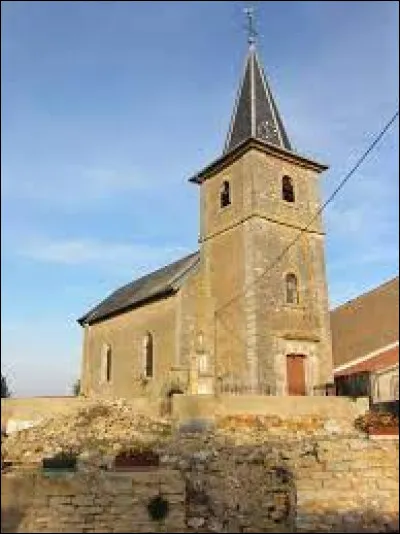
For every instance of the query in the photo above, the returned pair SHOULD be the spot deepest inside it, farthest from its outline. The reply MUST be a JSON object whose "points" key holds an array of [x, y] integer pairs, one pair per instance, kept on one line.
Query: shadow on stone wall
{"points": [[202, 486], [11, 518], [249, 499], [365, 520]]}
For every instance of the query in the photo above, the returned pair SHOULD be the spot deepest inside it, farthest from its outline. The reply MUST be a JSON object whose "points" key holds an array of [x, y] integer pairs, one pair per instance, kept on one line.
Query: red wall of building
{"points": [[377, 363]]}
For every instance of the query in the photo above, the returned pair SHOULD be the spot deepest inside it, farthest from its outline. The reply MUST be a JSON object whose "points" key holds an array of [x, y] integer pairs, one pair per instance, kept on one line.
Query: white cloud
{"points": [[100, 254], [55, 362], [364, 209], [74, 186], [376, 255]]}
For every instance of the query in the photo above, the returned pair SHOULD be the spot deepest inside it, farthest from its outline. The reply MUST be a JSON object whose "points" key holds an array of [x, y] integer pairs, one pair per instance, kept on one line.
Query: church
{"points": [[248, 312]]}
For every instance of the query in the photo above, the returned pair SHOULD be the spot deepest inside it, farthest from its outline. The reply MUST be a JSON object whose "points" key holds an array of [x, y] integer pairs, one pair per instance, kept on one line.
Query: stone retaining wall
{"points": [[189, 406], [337, 484], [90, 502]]}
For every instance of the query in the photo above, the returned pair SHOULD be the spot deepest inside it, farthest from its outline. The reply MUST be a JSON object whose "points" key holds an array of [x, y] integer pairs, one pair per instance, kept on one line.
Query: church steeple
{"points": [[255, 113]]}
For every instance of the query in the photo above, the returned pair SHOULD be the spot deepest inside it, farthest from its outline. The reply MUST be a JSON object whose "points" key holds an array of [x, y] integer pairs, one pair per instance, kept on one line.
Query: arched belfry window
{"points": [[106, 363], [287, 189], [148, 354], [292, 291], [225, 195]]}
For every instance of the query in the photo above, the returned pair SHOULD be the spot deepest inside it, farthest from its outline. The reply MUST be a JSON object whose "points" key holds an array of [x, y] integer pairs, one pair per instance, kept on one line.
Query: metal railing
{"points": [[325, 390], [354, 385], [229, 386]]}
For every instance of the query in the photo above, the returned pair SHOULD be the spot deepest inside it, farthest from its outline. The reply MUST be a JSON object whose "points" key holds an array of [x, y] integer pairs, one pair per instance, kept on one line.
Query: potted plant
{"points": [[136, 458], [5, 463], [62, 461], [378, 424]]}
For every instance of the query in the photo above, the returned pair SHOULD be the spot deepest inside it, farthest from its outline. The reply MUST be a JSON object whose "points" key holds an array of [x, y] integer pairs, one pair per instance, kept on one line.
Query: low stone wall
{"points": [[19, 413], [215, 484], [90, 502], [192, 406], [350, 485], [336, 484]]}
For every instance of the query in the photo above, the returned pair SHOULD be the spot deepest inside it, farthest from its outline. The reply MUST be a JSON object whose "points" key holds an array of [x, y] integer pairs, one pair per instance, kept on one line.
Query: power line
{"points": [[317, 213]]}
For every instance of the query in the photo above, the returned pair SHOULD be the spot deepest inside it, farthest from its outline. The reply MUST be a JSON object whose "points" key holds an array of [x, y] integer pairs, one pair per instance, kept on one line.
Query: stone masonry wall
{"points": [[254, 330], [125, 333], [223, 271], [214, 484], [90, 502], [30, 411], [283, 328]]}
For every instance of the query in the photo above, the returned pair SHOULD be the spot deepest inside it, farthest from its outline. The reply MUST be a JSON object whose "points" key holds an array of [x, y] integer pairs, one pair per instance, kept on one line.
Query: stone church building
{"points": [[246, 313]]}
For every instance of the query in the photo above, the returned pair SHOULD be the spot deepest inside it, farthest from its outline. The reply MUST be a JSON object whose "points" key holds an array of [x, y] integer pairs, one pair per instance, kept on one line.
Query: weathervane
{"points": [[249, 11]]}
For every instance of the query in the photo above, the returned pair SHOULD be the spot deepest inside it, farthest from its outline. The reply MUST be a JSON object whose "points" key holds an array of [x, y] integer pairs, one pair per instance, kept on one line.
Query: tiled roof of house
{"points": [[366, 323], [158, 284]]}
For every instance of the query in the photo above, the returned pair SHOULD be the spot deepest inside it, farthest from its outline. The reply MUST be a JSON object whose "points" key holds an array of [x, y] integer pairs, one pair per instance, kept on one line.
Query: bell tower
{"points": [[265, 313]]}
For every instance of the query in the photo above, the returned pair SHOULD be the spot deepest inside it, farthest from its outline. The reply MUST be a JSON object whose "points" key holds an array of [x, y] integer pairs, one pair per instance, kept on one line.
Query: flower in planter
{"points": [[62, 460], [376, 420], [137, 458]]}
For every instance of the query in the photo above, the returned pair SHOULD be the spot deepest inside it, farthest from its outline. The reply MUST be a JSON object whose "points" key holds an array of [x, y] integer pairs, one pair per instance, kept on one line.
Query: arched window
{"points": [[287, 189], [148, 355], [106, 363], [225, 195], [292, 293]]}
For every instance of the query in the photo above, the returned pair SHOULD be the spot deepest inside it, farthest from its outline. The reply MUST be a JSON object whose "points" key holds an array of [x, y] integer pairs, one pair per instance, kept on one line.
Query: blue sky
{"points": [[107, 109]]}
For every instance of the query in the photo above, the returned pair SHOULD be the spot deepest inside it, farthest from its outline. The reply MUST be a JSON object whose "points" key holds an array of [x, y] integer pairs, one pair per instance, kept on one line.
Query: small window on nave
{"points": [[225, 195], [287, 189], [148, 355], [292, 292], [106, 363]]}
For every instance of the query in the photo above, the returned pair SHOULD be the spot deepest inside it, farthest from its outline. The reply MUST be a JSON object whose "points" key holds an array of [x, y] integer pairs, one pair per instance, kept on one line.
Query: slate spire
{"points": [[255, 113]]}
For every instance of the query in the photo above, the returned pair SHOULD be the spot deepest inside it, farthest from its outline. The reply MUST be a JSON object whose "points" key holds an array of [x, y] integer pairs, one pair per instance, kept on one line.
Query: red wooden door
{"points": [[296, 383]]}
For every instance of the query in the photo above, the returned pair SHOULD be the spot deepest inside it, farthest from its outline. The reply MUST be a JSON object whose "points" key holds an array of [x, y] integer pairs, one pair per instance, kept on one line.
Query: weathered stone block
{"points": [[387, 484]]}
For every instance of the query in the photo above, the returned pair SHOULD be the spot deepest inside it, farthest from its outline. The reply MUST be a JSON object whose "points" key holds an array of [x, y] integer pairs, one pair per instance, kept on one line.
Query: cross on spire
{"points": [[251, 30]]}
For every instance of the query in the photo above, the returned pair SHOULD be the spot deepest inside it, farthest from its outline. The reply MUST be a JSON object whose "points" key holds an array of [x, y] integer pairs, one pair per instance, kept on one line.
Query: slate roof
{"points": [[366, 323], [255, 114], [161, 283]]}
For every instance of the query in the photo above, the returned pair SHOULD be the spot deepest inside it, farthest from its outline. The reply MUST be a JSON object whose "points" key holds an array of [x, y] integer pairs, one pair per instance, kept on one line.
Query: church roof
{"points": [[255, 123], [255, 113], [158, 284]]}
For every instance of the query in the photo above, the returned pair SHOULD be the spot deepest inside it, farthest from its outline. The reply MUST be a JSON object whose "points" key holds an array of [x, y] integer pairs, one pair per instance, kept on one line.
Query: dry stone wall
{"points": [[213, 482], [90, 502]]}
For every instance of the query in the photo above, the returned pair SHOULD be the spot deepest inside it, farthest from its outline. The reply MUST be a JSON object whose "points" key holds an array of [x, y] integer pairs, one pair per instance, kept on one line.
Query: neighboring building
{"points": [[365, 338], [214, 319]]}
